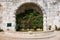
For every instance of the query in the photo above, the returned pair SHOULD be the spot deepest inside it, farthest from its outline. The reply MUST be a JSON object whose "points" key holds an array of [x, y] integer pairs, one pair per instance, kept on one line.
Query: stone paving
{"points": [[56, 37]]}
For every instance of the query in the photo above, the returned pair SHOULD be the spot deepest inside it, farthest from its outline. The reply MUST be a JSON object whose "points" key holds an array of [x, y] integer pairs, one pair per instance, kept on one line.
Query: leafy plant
{"points": [[58, 29], [30, 19]]}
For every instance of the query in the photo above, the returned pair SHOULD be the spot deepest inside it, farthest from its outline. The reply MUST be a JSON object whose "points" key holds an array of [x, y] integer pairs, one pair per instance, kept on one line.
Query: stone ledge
{"points": [[34, 35]]}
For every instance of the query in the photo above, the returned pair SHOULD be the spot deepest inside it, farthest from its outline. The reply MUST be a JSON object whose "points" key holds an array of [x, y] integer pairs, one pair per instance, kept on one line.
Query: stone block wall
{"points": [[50, 9]]}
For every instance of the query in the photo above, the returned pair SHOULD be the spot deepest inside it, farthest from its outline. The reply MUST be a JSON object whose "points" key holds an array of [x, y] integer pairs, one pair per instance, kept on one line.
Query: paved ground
{"points": [[57, 37]]}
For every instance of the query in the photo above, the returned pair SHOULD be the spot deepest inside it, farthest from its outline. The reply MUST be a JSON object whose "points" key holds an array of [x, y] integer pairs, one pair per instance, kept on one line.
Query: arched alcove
{"points": [[26, 13]]}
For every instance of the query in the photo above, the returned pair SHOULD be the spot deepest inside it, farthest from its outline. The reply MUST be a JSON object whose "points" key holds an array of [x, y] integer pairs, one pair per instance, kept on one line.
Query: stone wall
{"points": [[50, 9]]}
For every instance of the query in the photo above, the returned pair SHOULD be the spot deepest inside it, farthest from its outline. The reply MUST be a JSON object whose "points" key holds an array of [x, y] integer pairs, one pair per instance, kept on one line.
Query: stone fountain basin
{"points": [[45, 34]]}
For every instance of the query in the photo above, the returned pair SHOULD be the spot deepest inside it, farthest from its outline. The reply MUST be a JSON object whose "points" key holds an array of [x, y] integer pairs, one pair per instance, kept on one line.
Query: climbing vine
{"points": [[30, 19]]}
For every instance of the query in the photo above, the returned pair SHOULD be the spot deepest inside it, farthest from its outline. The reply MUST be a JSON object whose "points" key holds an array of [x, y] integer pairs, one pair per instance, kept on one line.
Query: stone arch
{"points": [[37, 4], [26, 6], [43, 11]]}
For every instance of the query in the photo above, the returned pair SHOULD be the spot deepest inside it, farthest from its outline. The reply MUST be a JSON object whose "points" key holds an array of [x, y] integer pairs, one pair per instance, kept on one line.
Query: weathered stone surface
{"points": [[49, 8]]}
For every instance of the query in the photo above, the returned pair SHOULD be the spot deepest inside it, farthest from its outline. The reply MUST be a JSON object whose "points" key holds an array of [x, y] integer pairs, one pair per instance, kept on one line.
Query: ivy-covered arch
{"points": [[29, 16]]}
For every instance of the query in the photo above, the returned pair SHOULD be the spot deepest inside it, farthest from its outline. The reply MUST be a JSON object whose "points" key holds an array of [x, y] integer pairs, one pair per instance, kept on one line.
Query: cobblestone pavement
{"points": [[57, 37]]}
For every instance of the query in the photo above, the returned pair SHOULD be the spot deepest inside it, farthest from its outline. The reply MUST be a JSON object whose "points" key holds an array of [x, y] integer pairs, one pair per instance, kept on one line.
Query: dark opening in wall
{"points": [[9, 24]]}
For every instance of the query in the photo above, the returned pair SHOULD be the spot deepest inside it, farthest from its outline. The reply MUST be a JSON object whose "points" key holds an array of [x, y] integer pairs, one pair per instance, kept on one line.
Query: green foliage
{"points": [[30, 19], [58, 29]]}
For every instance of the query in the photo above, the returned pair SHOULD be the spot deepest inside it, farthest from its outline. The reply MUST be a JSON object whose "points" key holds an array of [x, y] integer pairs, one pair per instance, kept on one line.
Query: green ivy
{"points": [[29, 19]]}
